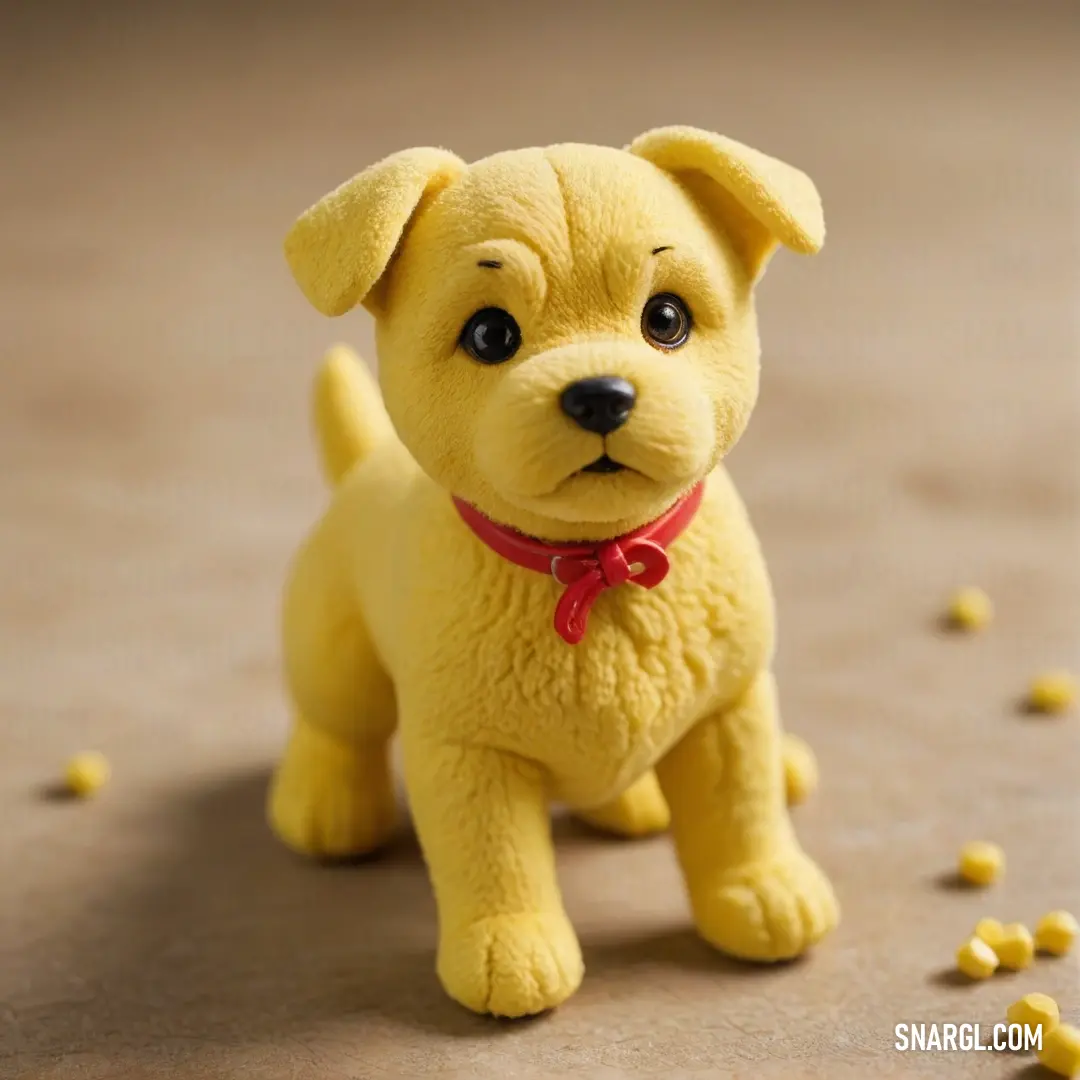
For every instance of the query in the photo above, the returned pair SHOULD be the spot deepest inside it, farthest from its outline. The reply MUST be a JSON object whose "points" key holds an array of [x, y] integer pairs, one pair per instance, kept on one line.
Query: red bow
{"points": [[643, 562], [587, 570]]}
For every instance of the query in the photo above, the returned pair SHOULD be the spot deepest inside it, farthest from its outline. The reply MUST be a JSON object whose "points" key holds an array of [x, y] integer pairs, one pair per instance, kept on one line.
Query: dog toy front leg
{"points": [[755, 893], [506, 946]]}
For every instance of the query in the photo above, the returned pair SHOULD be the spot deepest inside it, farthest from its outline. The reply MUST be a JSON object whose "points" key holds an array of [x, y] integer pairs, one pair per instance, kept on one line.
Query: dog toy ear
{"points": [[762, 201], [339, 250]]}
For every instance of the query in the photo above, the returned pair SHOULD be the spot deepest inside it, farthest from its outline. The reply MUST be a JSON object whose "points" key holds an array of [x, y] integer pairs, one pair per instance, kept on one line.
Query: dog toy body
{"points": [[534, 566]]}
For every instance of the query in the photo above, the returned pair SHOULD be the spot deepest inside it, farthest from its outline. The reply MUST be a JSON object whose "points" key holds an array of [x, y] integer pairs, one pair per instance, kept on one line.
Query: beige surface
{"points": [[918, 429]]}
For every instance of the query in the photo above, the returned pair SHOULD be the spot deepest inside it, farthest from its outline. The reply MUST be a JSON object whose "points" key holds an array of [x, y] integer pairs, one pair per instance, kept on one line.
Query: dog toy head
{"points": [[566, 336]]}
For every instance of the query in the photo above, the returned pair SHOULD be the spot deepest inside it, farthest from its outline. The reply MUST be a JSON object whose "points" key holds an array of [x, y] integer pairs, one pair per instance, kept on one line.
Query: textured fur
{"points": [[396, 616]]}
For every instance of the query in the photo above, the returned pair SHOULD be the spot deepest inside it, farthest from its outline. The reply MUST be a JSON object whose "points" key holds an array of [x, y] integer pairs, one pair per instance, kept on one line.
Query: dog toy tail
{"points": [[350, 420]]}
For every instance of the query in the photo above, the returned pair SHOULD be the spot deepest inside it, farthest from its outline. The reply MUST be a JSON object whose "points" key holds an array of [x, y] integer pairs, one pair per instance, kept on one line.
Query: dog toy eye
{"points": [[665, 322], [491, 336]]}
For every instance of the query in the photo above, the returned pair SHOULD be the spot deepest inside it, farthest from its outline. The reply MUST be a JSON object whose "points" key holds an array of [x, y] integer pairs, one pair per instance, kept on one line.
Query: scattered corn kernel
{"points": [[976, 959], [990, 931], [86, 774], [1035, 1011], [970, 609], [1016, 949], [1060, 1051], [981, 863], [1052, 692], [800, 770], [1056, 932]]}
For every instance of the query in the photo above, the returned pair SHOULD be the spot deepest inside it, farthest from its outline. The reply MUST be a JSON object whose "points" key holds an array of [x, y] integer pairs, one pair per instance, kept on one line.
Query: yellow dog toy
{"points": [[534, 565]]}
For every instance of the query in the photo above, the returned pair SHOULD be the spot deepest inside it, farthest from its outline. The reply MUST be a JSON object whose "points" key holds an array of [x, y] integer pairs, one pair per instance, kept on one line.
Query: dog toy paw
{"points": [[329, 799], [511, 965], [800, 770], [767, 911], [639, 811]]}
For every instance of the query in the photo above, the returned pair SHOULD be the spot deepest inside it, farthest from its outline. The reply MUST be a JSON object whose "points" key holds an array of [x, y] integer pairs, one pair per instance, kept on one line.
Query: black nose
{"points": [[600, 405]]}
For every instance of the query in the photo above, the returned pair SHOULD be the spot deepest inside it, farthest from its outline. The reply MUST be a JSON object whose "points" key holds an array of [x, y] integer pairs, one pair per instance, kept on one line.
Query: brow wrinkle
{"points": [[519, 258]]}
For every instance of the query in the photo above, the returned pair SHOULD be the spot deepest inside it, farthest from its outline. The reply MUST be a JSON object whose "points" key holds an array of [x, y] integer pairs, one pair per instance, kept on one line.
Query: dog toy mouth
{"points": [[604, 464]]}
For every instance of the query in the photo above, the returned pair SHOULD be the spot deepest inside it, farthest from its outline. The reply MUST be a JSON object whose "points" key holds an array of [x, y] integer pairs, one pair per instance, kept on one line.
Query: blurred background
{"points": [[917, 431]]}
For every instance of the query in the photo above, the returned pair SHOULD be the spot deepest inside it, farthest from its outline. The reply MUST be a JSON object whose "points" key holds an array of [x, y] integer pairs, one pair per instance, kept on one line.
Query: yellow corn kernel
{"points": [[800, 770], [969, 609], [1016, 949], [86, 774], [981, 863], [1052, 692], [976, 959], [1056, 932], [990, 931], [1060, 1051], [1035, 1011]]}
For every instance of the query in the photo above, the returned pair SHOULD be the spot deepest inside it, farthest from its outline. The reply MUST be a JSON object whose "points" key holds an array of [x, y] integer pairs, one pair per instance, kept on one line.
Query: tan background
{"points": [[918, 429]]}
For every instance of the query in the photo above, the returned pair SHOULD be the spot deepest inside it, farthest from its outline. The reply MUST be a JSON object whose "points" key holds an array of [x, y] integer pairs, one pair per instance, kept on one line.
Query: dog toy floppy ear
{"points": [[761, 201], [339, 249]]}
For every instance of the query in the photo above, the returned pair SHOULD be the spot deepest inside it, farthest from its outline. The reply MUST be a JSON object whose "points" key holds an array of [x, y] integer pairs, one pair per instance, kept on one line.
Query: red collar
{"points": [[588, 569]]}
